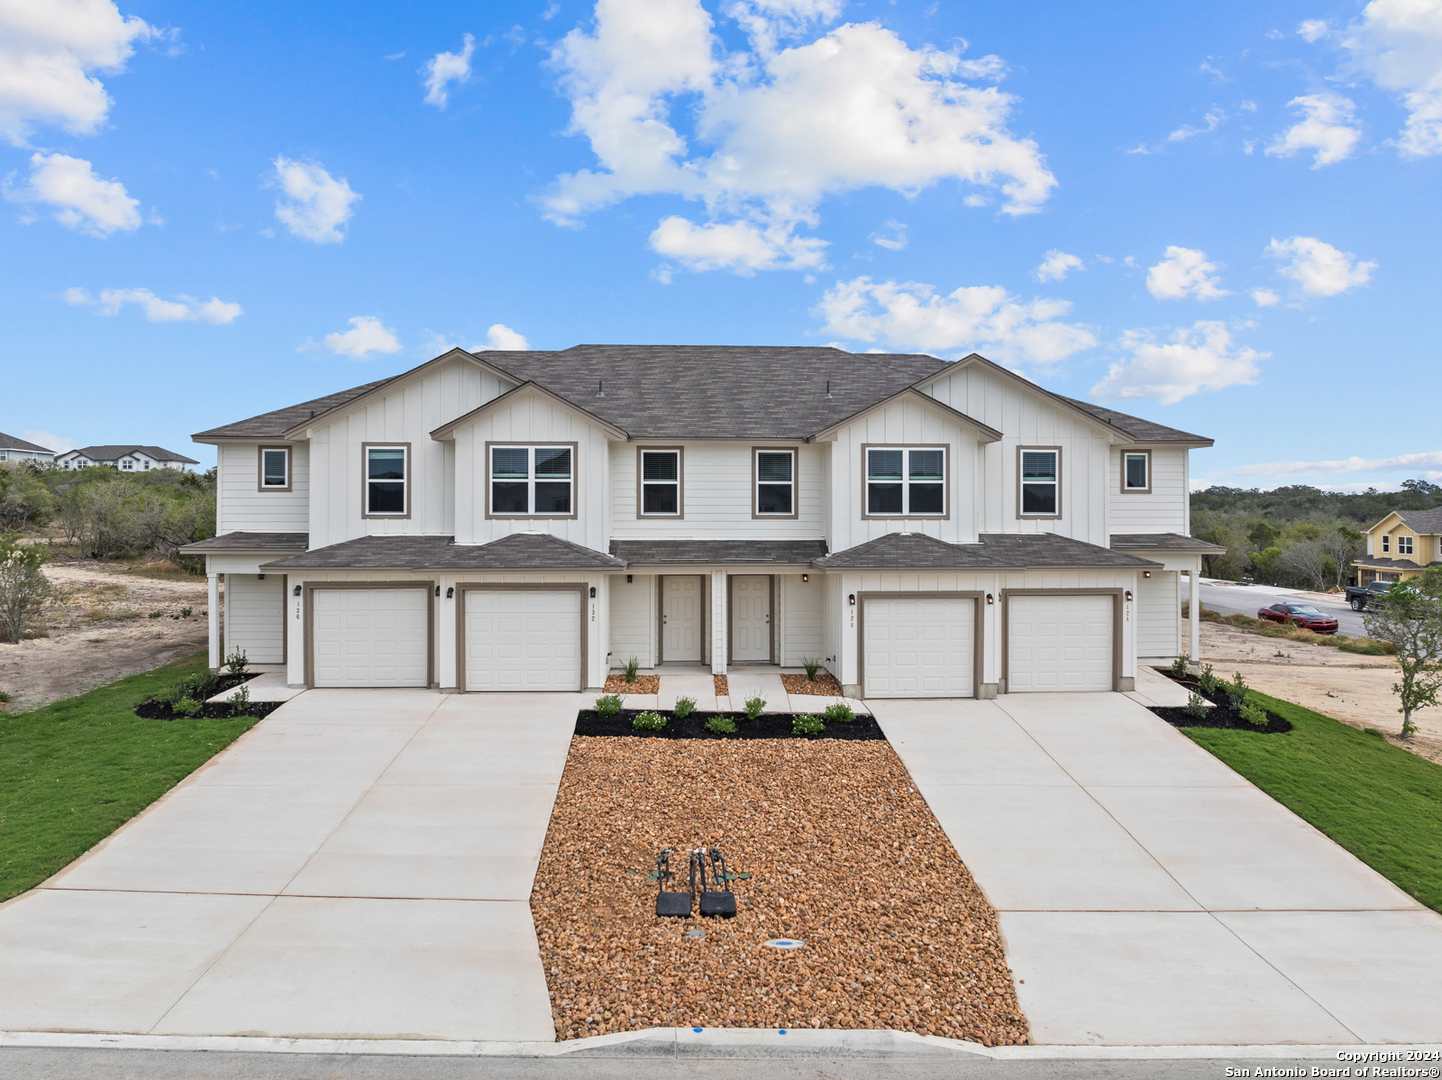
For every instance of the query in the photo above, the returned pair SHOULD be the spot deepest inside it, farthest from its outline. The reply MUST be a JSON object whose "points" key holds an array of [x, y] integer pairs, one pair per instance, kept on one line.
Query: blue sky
{"points": [[1223, 217]]}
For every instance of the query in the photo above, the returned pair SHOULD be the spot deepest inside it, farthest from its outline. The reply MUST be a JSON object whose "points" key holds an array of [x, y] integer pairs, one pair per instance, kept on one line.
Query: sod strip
{"points": [[1379, 802], [74, 771]]}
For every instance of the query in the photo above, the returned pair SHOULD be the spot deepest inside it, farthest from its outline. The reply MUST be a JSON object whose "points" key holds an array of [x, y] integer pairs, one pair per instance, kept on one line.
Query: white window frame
{"points": [[642, 483], [261, 485], [1021, 482], [1405, 545], [1386, 543], [1127, 486], [405, 481], [906, 480], [756, 482], [531, 479]]}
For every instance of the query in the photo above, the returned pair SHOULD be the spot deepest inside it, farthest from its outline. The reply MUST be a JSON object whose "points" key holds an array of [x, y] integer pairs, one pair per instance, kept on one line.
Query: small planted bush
{"points": [[685, 707], [186, 706], [1179, 666], [839, 713], [649, 721], [1196, 706], [806, 724], [633, 665], [721, 725], [812, 664], [240, 701], [1254, 715], [754, 705], [1236, 692], [608, 704], [235, 662], [1207, 680]]}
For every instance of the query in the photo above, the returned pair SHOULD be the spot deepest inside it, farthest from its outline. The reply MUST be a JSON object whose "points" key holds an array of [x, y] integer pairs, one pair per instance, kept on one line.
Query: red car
{"points": [[1303, 616]]}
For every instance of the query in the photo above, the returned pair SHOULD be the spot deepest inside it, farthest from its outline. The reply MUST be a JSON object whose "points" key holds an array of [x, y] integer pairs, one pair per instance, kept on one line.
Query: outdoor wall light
{"points": [[851, 599], [438, 590], [630, 578], [450, 593], [1129, 596], [1146, 573], [259, 577], [295, 591], [990, 599], [593, 592], [805, 577]]}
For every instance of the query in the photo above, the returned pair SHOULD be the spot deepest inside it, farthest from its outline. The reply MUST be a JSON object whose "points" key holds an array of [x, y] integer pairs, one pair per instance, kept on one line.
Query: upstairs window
{"points": [[533, 481], [1137, 471], [1386, 542], [906, 481], [387, 481], [1404, 545], [775, 473], [660, 494], [275, 468], [1040, 477]]}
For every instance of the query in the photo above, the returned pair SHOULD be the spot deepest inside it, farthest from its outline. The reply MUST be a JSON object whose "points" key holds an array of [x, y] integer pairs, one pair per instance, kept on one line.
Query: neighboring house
{"points": [[530, 520], [1402, 545], [13, 449], [124, 458]]}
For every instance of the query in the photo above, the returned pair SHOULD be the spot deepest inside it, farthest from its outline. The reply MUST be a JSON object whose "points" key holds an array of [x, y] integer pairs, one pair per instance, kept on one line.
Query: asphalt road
{"points": [[1248, 599]]}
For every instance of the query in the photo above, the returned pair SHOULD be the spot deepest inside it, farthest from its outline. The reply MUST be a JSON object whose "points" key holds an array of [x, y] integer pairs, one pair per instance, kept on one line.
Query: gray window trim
{"points": [[1059, 466], [366, 448], [1126, 453], [946, 485], [795, 482], [535, 444], [260, 468], [680, 452]]}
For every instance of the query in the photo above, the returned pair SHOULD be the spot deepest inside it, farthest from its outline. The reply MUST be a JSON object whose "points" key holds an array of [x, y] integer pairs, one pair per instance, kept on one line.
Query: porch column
{"points": [[720, 620], [1194, 610], [213, 614]]}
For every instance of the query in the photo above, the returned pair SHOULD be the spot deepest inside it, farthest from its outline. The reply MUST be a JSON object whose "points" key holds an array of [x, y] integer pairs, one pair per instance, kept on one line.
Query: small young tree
{"points": [[1411, 619], [25, 591]]}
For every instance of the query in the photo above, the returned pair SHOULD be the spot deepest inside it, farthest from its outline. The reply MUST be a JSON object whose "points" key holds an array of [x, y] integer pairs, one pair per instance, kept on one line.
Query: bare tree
{"points": [[1342, 545], [1410, 617], [1307, 560]]}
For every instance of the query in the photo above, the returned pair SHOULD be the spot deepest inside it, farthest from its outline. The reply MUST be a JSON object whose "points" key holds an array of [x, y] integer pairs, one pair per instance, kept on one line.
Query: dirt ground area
{"points": [[1354, 689], [838, 850], [102, 631]]}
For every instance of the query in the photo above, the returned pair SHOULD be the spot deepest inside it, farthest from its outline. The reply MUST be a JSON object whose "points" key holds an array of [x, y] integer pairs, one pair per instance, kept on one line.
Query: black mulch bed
{"points": [[1220, 715], [769, 726], [211, 710]]}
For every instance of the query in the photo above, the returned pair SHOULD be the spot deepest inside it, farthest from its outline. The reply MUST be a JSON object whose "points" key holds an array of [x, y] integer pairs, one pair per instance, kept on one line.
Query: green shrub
{"points": [[5, 698], [1236, 692], [754, 705], [1366, 647], [806, 724], [1208, 682], [839, 713], [1254, 715], [240, 701], [812, 664], [633, 665], [186, 706], [684, 707], [721, 725], [156, 614], [185, 613], [235, 662], [1179, 666], [648, 721], [1196, 706], [608, 704]]}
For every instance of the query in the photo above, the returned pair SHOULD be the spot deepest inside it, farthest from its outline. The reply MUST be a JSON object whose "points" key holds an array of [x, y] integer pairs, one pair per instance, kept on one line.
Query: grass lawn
{"points": [[75, 771], [1379, 802]]}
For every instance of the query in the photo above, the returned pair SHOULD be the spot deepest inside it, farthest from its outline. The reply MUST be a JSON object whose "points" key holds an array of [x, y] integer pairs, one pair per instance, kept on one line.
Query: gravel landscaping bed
{"points": [[825, 685], [767, 726], [841, 853], [644, 684], [719, 684]]}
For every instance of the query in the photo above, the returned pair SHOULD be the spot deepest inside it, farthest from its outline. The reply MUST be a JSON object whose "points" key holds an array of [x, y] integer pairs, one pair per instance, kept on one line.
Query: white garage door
{"points": [[920, 648], [1059, 643], [371, 637], [523, 640]]}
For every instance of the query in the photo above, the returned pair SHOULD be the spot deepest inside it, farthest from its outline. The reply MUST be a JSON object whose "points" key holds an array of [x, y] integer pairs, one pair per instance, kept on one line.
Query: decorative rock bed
{"points": [[842, 854]]}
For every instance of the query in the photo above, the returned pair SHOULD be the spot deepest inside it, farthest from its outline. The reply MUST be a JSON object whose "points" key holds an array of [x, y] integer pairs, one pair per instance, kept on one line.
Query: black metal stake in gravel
{"points": [[720, 901], [671, 904]]}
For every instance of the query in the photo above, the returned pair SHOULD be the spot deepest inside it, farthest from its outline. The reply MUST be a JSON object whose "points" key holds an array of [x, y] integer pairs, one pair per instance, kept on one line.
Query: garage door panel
{"points": [[371, 637], [1059, 643], [523, 640], [919, 648]]}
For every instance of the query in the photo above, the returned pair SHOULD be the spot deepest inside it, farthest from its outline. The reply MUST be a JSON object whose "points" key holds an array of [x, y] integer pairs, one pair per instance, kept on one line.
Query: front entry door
{"points": [[681, 619], [751, 617]]}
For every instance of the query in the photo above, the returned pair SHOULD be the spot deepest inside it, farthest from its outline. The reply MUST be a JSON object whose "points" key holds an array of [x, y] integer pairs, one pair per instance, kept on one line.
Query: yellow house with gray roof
{"points": [[1402, 545]]}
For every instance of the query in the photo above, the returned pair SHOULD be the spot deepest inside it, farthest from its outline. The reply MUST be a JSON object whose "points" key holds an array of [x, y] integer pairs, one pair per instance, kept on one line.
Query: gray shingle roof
{"points": [[1389, 564], [272, 425], [1142, 430], [1164, 542], [114, 453], [996, 551], [1422, 521], [10, 442], [249, 541], [697, 552], [519, 551], [718, 391]]}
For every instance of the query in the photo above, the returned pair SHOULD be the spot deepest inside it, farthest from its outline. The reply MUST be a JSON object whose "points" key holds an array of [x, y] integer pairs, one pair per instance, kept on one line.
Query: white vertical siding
{"points": [[633, 619], [802, 611], [1164, 508], [242, 507], [1158, 614]]}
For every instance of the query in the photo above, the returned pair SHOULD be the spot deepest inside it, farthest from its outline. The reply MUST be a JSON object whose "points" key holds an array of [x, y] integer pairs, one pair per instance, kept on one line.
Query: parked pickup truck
{"points": [[1369, 593]]}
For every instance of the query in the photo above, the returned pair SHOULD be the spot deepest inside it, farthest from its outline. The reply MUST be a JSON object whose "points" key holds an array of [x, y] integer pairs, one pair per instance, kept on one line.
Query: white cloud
{"points": [[501, 336], [1398, 45], [1317, 268], [784, 127], [1265, 297], [1400, 463], [82, 200], [59, 443], [366, 335], [1214, 119], [896, 241], [1327, 126], [911, 315], [1055, 266], [181, 309], [48, 52], [740, 246], [1185, 272], [319, 204], [445, 68], [1313, 29], [1194, 360]]}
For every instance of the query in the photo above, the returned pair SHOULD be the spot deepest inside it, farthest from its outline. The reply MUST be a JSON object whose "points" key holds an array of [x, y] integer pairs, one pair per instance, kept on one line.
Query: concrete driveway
{"points": [[358, 865], [1150, 895]]}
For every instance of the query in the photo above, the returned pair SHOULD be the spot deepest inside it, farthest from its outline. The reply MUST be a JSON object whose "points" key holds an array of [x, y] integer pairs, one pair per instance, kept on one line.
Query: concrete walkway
{"points": [[359, 864], [1150, 895], [742, 683]]}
